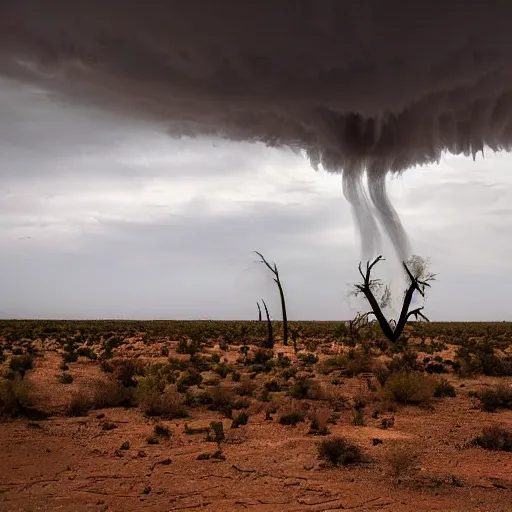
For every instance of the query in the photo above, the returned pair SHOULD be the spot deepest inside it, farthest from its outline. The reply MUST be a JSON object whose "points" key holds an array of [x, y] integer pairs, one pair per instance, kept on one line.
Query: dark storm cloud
{"points": [[364, 88]]}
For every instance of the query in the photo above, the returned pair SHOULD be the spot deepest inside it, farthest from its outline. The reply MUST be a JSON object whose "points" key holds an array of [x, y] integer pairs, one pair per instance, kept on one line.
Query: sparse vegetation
{"points": [[342, 376]]}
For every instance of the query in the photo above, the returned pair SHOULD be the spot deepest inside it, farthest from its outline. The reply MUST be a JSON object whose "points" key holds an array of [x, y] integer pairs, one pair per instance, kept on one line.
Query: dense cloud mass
{"points": [[363, 88]]}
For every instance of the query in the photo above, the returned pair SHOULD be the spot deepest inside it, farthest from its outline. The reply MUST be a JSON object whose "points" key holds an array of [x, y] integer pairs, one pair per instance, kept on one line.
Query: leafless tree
{"points": [[275, 272], [270, 336], [419, 279]]}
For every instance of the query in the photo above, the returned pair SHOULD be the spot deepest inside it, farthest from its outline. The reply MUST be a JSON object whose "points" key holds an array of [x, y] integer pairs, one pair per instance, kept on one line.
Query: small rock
{"points": [[376, 441], [146, 490]]}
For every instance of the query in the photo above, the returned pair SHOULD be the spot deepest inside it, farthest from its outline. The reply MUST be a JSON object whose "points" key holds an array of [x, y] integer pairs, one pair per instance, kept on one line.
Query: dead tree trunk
{"points": [[275, 272], [270, 336], [367, 287], [259, 311]]}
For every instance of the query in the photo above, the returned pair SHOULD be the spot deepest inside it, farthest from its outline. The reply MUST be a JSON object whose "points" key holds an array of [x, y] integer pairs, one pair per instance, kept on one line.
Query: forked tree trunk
{"points": [[415, 285]]}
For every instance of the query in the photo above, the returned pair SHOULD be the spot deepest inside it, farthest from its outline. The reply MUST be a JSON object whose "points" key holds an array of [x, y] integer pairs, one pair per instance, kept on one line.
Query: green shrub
{"points": [[126, 371], [291, 416], [222, 370], [191, 378], [88, 352], [308, 358], [216, 433], [444, 388], [338, 451], [358, 418], [190, 347], [240, 419], [305, 388], [162, 431]]}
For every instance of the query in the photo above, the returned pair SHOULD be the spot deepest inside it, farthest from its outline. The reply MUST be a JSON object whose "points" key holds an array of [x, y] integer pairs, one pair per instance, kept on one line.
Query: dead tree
{"points": [[259, 311], [270, 335], [275, 272], [418, 281]]}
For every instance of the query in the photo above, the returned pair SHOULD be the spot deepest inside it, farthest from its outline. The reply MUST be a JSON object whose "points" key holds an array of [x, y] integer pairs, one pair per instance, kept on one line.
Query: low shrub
{"points": [[65, 378], [495, 438], [191, 378], [401, 460], [155, 401], [162, 431], [79, 405], [338, 451], [411, 388], [111, 393], [14, 398], [126, 371], [241, 419], [444, 388], [305, 388], [308, 358], [216, 433], [358, 418], [499, 397], [21, 363]]}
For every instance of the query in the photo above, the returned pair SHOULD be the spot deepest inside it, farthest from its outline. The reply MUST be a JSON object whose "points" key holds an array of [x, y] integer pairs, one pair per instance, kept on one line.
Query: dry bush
{"points": [[381, 372], [495, 438], [111, 393], [339, 451], [246, 387], [14, 398], [79, 405], [499, 397], [335, 397], [411, 388], [402, 460], [21, 363], [319, 422], [125, 370], [292, 413], [444, 389], [155, 402], [306, 388]]}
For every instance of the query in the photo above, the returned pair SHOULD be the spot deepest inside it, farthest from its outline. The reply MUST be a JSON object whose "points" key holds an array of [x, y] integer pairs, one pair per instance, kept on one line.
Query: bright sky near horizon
{"points": [[104, 217]]}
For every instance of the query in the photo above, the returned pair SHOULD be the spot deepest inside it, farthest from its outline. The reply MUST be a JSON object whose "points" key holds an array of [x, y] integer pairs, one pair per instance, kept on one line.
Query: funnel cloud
{"points": [[364, 89]]}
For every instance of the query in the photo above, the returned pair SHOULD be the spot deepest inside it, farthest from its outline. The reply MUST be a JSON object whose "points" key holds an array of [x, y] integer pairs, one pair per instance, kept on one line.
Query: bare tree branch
{"points": [[277, 280]]}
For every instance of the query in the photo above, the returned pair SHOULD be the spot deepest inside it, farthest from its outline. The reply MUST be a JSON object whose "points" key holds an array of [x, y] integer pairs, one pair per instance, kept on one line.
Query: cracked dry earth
{"points": [[72, 464]]}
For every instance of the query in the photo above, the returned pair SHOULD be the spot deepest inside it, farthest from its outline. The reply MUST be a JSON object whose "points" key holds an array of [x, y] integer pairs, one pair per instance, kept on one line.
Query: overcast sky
{"points": [[105, 217]]}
